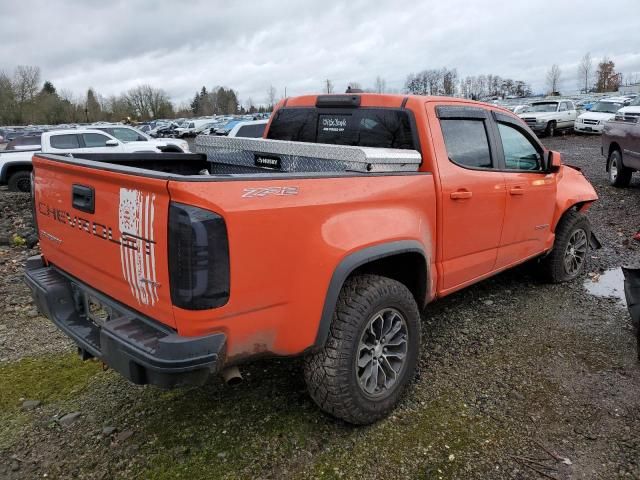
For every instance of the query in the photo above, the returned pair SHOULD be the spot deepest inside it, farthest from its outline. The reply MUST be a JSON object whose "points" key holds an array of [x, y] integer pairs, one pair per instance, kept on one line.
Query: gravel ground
{"points": [[518, 380]]}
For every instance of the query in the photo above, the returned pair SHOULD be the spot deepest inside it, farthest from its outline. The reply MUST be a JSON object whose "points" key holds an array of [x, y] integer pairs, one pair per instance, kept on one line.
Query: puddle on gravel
{"points": [[607, 284]]}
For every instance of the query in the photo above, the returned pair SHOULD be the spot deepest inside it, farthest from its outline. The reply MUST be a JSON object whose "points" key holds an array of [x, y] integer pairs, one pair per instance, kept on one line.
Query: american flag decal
{"points": [[137, 255]]}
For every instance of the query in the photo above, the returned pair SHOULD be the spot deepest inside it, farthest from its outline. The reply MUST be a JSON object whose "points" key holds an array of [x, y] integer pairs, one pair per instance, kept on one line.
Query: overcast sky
{"points": [[180, 46]]}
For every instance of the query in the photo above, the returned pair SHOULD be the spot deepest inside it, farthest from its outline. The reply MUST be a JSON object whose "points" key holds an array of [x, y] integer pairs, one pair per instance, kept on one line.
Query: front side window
{"points": [[467, 143], [563, 107], [95, 140], [519, 152], [127, 135], [65, 142]]}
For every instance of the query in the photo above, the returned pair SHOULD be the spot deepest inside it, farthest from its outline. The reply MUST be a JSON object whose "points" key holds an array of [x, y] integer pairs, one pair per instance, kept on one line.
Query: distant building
{"points": [[633, 88]]}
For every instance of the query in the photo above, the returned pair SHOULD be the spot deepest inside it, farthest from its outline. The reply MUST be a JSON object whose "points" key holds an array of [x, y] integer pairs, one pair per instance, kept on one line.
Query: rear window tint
{"points": [[251, 131], [64, 141], [23, 141], [364, 127]]}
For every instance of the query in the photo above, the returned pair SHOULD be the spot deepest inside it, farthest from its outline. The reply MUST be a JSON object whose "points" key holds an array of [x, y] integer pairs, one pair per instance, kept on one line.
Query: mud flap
{"points": [[632, 294], [594, 243]]}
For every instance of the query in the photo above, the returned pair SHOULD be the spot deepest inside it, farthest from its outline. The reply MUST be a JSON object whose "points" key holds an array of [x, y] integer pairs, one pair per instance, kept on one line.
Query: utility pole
{"points": [[329, 85]]}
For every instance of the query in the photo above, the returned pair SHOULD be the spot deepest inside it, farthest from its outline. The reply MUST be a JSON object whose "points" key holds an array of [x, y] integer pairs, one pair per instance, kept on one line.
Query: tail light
{"points": [[34, 212], [198, 258]]}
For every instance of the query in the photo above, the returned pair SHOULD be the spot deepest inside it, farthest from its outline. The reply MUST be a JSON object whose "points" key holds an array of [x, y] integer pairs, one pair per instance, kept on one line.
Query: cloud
{"points": [[180, 46]]}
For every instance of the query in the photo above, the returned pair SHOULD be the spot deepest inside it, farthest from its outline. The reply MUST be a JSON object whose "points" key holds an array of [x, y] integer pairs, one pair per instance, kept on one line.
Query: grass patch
{"points": [[47, 379], [221, 432], [268, 427]]}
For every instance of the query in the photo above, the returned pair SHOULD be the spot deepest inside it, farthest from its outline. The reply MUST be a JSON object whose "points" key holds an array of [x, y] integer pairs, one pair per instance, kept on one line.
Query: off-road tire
{"points": [[330, 373], [20, 182], [619, 175], [552, 266], [550, 131]]}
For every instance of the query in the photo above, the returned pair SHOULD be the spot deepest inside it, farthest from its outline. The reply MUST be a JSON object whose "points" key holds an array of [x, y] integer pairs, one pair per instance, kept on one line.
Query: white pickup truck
{"points": [[15, 167], [549, 116]]}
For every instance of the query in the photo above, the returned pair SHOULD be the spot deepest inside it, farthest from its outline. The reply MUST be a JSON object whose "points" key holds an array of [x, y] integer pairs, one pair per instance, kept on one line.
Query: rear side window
{"points": [[467, 143], [364, 127], [251, 131], [64, 141]]}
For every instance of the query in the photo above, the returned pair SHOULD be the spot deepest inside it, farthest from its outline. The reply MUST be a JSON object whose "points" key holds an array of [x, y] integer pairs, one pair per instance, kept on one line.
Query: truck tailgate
{"points": [[106, 229]]}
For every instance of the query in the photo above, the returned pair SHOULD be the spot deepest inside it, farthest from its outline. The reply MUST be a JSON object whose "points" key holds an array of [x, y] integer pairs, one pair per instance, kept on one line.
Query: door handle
{"points": [[516, 191], [83, 198], [461, 195]]}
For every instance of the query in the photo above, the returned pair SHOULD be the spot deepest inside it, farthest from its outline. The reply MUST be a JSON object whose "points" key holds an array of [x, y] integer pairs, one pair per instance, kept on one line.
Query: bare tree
{"points": [[7, 100], [271, 96], [327, 86], [585, 71], [380, 85], [26, 83], [149, 102], [553, 78], [449, 81], [607, 79]]}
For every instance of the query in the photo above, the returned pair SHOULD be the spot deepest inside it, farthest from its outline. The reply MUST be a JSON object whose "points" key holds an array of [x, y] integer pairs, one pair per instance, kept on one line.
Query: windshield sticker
{"points": [[135, 218]]}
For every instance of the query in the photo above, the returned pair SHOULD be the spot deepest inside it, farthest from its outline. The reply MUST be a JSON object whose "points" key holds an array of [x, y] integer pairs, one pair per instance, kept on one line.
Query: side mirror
{"points": [[111, 143], [554, 162]]}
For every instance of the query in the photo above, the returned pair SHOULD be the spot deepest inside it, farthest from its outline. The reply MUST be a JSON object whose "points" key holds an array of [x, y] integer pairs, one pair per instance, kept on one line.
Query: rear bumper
{"points": [[137, 347]]}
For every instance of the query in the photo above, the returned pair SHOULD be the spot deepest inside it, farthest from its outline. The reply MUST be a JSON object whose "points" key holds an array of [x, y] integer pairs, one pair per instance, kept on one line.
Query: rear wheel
{"points": [[551, 129], [619, 175], [371, 352], [20, 182], [568, 258]]}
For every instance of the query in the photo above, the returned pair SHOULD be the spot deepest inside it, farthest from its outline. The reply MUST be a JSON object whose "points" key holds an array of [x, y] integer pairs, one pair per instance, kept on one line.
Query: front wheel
{"points": [[371, 352], [619, 175], [568, 258], [551, 129]]}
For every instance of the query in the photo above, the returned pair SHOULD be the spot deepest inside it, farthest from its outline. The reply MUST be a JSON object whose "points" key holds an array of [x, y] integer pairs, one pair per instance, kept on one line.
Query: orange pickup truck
{"points": [[325, 239]]}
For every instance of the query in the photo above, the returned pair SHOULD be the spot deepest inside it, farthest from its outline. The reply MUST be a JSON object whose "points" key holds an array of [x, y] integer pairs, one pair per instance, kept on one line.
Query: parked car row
{"points": [[551, 115], [15, 161]]}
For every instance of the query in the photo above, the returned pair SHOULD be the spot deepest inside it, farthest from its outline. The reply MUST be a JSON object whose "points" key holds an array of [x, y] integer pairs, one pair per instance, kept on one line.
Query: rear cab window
{"points": [[251, 131], [364, 127]]}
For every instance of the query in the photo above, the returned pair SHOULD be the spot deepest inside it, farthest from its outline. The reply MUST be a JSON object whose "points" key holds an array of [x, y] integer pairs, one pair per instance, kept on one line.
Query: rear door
{"points": [[107, 229], [64, 143], [531, 193], [473, 195]]}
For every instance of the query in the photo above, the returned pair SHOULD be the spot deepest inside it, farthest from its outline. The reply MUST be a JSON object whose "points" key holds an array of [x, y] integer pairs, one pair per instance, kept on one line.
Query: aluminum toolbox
{"points": [[236, 155]]}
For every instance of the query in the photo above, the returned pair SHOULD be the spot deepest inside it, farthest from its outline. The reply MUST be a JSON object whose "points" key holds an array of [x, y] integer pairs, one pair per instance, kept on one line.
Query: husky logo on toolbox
{"points": [[135, 217]]}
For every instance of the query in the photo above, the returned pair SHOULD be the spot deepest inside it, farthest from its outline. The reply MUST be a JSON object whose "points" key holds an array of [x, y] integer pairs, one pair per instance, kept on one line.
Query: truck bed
{"points": [[229, 157]]}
